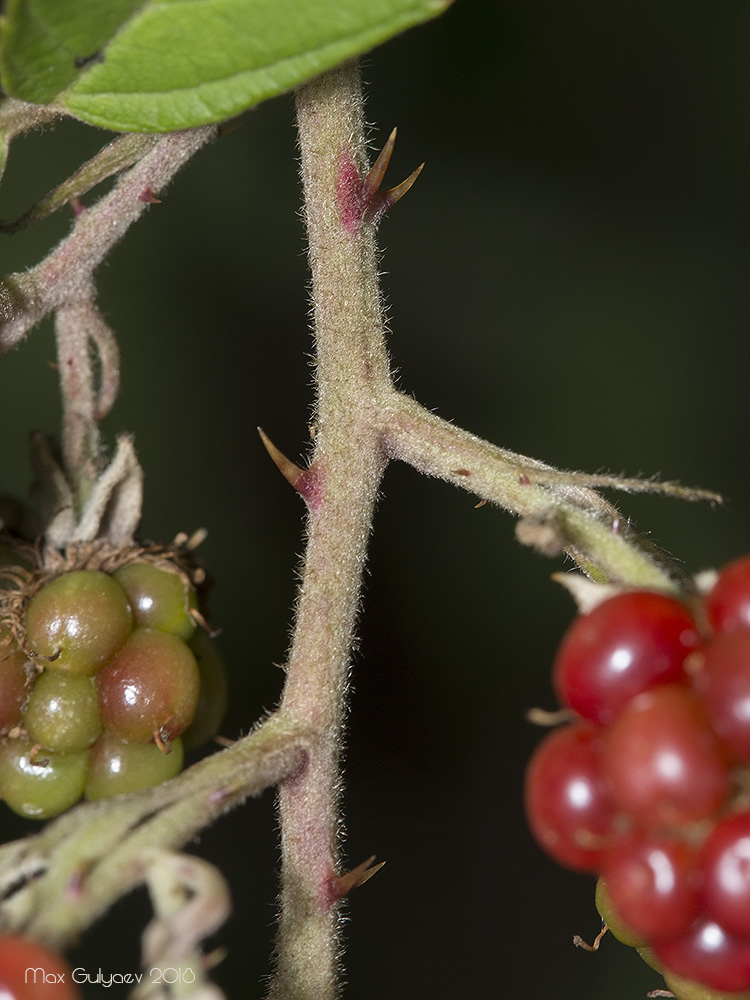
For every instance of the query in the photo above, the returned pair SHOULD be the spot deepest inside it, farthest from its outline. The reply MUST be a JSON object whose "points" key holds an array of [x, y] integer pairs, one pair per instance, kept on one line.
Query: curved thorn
{"points": [[383, 200], [374, 179], [286, 467], [356, 877]]}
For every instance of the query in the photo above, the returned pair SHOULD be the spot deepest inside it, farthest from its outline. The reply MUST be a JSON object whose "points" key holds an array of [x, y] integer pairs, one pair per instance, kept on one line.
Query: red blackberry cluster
{"points": [[650, 785], [100, 685]]}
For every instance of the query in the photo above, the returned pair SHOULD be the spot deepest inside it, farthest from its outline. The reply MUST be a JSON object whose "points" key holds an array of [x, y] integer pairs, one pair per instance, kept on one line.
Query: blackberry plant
{"points": [[108, 676]]}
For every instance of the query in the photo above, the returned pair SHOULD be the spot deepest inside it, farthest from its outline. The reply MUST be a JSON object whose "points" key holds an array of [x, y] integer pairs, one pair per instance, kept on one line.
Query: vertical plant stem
{"points": [[347, 467]]}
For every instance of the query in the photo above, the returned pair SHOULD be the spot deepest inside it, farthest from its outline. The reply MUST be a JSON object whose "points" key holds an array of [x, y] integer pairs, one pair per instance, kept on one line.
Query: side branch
{"points": [[65, 275], [560, 511]]}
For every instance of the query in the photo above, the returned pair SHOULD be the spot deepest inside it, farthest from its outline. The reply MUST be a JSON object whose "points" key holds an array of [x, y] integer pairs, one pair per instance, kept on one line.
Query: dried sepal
{"points": [[585, 592], [114, 508], [705, 581]]}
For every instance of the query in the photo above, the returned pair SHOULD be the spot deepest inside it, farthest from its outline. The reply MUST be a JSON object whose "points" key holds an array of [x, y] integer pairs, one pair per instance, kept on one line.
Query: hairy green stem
{"points": [[55, 884], [569, 515], [65, 275], [347, 467]]}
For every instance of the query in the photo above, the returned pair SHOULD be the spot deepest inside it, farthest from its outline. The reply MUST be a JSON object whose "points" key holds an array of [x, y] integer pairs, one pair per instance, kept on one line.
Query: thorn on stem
{"points": [[383, 200], [361, 199], [147, 195], [307, 482], [376, 174], [344, 884]]}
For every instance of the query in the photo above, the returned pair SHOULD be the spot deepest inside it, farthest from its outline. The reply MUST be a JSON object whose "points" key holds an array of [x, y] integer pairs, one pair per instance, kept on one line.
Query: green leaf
{"points": [[163, 65], [46, 44]]}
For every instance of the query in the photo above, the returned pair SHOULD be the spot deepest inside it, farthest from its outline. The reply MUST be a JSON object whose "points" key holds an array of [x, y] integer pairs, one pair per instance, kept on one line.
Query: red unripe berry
{"points": [[152, 684], [29, 971], [728, 602], [663, 761], [568, 803], [622, 647], [722, 682], [652, 885], [13, 689], [708, 954], [725, 862]]}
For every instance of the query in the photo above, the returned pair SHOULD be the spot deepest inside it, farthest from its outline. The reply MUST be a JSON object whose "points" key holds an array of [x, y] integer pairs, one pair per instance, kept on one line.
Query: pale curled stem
{"points": [[191, 900], [80, 433], [87, 395]]}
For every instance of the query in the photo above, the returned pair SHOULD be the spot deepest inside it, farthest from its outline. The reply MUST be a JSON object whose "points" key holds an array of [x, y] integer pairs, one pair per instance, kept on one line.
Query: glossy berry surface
{"points": [[92, 701], [722, 683], [63, 712], [568, 804], [29, 971], [728, 601], [662, 760], [212, 701], [662, 691], [708, 954], [39, 783], [78, 621], [13, 689], [613, 920], [652, 884], [725, 866], [622, 647], [152, 684], [117, 767], [159, 598]]}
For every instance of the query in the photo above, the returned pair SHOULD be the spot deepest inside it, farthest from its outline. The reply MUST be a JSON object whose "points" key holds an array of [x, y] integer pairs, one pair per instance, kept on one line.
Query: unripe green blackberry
{"points": [[117, 767], [159, 598], [63, 712], [97, 681], [39, 783], [78, 621]]}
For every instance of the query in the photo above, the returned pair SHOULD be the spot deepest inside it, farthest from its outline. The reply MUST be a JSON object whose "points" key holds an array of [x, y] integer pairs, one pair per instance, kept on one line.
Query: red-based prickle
{"points": [[361, 199]]}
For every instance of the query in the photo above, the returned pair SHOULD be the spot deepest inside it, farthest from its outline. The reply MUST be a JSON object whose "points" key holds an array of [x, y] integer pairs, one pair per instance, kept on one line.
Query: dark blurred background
{"points": [[569, 279]]}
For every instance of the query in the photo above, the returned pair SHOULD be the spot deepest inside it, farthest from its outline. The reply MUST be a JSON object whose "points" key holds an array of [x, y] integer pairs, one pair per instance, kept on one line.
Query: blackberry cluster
{"points": [[649, 786], [101, 686]]}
